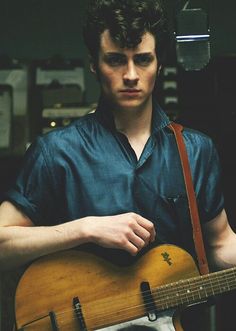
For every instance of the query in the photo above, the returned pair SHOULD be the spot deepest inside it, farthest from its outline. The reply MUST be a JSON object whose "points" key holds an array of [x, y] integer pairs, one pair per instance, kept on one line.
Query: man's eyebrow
{"points": [[114, 53], [144, 53], [124, 55]]}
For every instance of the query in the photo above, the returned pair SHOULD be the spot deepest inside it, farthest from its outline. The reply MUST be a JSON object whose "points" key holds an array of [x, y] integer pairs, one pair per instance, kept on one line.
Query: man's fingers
{"points": [[148, 226], [129, 231], [143, 234], [137, 241], [131, 248]]}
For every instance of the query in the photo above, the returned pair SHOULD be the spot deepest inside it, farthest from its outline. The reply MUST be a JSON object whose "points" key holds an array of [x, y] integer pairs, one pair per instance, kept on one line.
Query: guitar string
{"points": [[172, 289], [135, 307], [99, 319], [102, 315], [114, 321]]}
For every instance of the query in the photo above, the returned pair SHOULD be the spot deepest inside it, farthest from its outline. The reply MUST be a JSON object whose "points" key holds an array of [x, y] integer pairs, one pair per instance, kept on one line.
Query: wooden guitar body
{"points": [[108, 294]]}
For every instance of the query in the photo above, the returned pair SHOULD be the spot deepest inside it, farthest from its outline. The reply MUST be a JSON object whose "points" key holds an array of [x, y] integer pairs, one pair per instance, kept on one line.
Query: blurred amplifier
{"points": [[5, 117], [63, 116]]}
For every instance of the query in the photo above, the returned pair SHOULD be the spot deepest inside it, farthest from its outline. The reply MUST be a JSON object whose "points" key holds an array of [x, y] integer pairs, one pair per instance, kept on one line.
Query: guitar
{"points": [[75, 290]]}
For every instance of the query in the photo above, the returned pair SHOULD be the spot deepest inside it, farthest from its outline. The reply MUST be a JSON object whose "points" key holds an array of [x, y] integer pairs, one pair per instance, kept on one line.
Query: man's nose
{"points": [[130, 73]]}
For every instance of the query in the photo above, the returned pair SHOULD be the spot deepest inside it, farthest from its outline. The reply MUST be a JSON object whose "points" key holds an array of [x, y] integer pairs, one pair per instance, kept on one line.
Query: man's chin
{"points": [[132, 105]]}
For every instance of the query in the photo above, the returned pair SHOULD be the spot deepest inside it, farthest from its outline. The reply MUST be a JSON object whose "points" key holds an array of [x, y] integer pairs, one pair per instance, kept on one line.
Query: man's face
{"points": [[127, 76]]}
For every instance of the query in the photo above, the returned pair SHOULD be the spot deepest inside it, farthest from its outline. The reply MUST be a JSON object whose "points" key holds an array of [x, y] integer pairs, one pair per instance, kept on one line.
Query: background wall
{"points": [[36, 29]]}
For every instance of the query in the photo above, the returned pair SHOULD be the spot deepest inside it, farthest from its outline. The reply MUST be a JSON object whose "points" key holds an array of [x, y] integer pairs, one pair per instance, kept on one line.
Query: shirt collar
{"points": [[105, 116], [159, 118]]}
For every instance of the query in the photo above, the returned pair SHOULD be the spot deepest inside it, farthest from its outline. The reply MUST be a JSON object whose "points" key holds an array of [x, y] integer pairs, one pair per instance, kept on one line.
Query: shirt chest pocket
{"points": [[173, 222]]}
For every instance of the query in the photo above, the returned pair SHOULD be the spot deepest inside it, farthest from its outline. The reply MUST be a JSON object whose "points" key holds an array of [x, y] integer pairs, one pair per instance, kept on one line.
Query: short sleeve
{"points": [[211, 199], [34, 191]]}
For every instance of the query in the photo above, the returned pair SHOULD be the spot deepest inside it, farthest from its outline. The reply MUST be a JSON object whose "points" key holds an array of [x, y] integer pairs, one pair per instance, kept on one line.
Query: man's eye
{"points": [[115, 61], [143, 60]]}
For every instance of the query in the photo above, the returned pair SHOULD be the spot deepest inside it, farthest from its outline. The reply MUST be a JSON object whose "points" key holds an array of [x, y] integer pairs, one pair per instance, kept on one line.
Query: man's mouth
{"points": [[130, 91]]}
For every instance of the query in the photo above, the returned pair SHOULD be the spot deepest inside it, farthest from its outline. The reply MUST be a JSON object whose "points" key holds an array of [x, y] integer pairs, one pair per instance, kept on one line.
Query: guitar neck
{"points": [[193, 290]]}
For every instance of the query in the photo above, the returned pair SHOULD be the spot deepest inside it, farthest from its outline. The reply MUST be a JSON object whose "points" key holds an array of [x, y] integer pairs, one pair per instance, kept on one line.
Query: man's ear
{"points": [[93, 67]]}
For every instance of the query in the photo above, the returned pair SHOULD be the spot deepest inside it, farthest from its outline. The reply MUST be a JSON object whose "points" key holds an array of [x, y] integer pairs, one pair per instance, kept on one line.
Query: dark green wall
{"points": [[32, 29]]}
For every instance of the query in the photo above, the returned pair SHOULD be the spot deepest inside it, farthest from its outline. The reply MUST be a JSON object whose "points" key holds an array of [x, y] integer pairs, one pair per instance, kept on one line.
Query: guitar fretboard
{"points": [[193, 290]]}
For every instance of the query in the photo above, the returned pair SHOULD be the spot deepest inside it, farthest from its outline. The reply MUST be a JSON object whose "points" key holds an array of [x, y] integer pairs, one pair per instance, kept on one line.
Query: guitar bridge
{"points": [[149, 302]]}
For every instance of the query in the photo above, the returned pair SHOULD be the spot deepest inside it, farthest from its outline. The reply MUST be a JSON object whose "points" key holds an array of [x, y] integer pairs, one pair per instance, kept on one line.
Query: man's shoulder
{"points": [[199, 144], [63, 140], [72, 131], [192, 137], [196, 138]]}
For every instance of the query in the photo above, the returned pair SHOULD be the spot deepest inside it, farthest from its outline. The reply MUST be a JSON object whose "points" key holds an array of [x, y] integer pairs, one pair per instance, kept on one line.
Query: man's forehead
{"points": [[108, 45]]}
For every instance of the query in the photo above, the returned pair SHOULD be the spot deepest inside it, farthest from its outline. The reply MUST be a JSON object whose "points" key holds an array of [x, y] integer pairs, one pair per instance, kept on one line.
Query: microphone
{"points": [[192, 39]]}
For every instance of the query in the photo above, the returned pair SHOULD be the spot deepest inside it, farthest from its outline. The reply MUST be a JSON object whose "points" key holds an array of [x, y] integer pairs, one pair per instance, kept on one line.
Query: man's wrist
{"points": [[77, 232]]}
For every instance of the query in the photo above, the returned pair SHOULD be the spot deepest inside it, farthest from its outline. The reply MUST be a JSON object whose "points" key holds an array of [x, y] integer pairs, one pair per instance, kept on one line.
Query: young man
{"points": [[113, 179]]}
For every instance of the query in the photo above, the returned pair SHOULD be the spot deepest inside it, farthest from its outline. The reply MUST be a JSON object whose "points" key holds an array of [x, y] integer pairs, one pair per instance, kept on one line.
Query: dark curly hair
{"points": [[127, 21]]}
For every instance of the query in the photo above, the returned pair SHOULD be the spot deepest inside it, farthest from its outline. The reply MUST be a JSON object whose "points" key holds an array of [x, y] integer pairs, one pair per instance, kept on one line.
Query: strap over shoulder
{"points": [[192, 202], [175, 127]]}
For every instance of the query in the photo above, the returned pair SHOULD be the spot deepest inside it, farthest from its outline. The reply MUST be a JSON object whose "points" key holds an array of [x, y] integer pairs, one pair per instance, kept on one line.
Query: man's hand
{"points": [[129, 231]]}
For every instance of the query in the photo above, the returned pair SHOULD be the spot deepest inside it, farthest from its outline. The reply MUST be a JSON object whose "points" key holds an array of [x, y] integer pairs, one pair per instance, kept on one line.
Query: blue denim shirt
{"points": [[90, 169]]}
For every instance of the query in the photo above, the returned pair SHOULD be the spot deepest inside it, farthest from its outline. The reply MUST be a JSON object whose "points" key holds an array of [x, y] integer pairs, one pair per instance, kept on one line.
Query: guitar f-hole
{"points": [[148, 301]]}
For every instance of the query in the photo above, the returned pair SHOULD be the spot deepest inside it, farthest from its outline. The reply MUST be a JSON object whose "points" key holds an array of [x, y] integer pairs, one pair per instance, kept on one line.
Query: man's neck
{"points": [[136, 125], [134, 122]]}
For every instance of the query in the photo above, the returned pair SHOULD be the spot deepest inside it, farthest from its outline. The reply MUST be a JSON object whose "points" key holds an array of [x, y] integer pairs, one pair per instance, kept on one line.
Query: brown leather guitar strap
{"points": [[192, 202]]}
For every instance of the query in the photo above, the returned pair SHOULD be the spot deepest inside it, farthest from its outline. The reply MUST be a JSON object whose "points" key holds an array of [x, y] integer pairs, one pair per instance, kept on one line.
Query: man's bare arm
{"points": [[22, 242], [220, 242]]}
